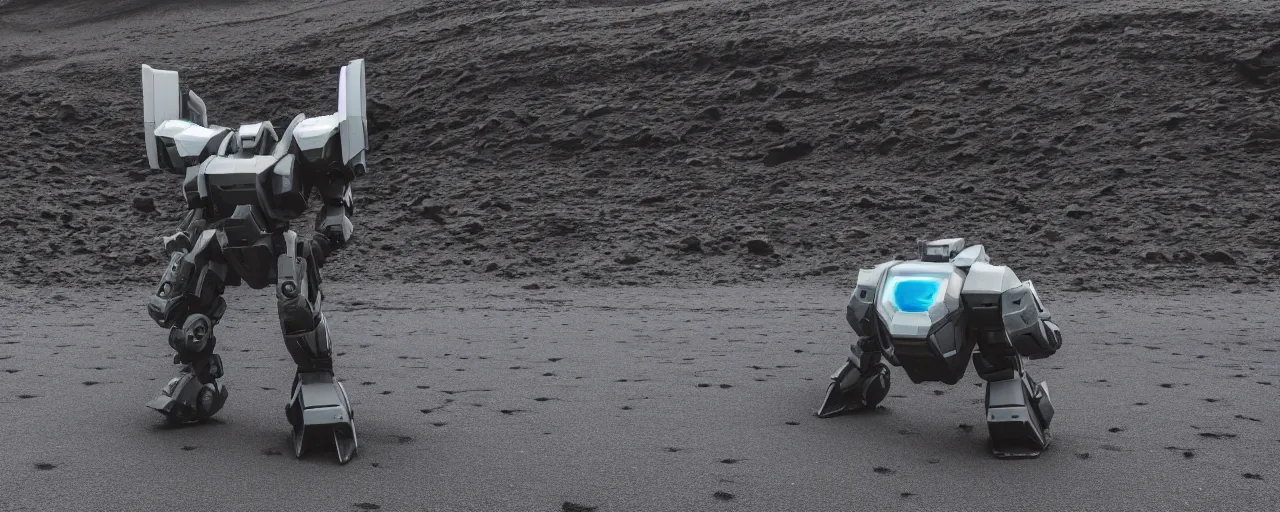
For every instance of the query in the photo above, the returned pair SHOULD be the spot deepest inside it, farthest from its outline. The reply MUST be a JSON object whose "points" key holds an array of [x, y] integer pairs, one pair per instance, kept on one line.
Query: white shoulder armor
{"points": [[985, 278], [166, 113], [341, 138], [313, 133]]}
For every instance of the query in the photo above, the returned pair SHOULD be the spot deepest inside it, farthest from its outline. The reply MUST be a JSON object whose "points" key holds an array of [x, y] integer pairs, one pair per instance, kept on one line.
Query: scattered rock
{"points": [[1154, 257], [759, 247], [887, 144], [1076, 211], [434, 212], [787, 152], [144, 204], [1259, 63], [1173, 121], [599, 110], [710, 113], [1218, 257], [691, 244], [775, 126], [66, 112]]}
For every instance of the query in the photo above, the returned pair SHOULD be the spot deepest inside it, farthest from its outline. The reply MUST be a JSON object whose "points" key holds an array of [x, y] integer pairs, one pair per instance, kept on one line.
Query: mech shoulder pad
{"points": [[313, 133], [969, 256], [985, 278], [197, 141]]}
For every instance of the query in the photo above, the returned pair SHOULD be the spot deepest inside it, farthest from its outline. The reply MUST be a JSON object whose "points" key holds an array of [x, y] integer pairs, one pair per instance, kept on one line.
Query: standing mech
{"points": [[243, 186], [928, 315]]}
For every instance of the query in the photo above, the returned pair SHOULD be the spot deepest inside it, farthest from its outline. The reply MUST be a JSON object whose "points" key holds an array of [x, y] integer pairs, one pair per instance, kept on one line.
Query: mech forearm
{"points": [[333, 228], [1009, 309], [334, 217], [1027, 324]]}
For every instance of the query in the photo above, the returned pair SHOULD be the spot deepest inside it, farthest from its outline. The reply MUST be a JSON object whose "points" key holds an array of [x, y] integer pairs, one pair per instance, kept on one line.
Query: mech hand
{"points": [[320, 249], [177, 242]]}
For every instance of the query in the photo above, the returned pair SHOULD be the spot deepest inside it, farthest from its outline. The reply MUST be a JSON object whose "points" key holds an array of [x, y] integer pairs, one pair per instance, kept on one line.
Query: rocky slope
{"points": [[1087, 144]]}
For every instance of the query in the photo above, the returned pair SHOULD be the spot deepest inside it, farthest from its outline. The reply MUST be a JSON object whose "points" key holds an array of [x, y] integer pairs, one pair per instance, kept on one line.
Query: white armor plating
{"points": [[314, 132]]}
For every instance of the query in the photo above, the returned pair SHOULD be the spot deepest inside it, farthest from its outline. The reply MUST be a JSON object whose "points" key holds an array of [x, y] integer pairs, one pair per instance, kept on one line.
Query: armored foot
{"points": [[319, 412], [1018, 415], [184, 399], [851, 390]]}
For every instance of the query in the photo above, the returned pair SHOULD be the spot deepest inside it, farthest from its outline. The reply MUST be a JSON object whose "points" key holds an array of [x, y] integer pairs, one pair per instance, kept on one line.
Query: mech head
{"points": [[256, 139], [952, 250], [940, 251]]}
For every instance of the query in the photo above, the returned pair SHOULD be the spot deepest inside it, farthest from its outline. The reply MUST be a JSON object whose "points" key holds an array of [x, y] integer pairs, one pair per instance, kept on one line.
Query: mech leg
{"points": [[1009, 326], [189, 303], [861, 383], [318, 407], [1018, 409]]}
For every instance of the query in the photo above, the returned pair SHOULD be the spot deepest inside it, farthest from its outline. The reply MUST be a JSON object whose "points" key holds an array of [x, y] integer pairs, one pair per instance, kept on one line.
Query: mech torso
{"points": [[252, 166], [928, 314]]}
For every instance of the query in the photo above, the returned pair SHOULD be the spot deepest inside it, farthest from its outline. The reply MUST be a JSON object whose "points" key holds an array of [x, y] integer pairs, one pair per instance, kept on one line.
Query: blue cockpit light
{"points": [[915, 294]]}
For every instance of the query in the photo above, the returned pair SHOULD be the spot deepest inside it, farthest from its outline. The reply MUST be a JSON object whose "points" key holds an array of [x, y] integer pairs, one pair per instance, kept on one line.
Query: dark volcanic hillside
{"points": [[1085, 143]]}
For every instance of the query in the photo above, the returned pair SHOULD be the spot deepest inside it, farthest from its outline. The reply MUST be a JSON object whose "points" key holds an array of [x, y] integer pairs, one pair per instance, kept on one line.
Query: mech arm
{"points": [[1010, 323], [331, 151]]}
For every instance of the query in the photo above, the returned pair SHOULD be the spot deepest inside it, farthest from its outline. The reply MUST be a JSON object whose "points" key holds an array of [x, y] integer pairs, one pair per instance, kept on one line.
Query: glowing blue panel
{"points": [[915, 295]]}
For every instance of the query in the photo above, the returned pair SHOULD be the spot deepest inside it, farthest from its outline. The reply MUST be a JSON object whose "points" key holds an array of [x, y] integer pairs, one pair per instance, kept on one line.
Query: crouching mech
{"points": [[242, 188], [928, 316]]}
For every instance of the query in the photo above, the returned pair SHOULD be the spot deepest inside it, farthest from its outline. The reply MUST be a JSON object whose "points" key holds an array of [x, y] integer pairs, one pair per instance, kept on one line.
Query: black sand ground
{"points": [[500, 399], [1091, 144]]}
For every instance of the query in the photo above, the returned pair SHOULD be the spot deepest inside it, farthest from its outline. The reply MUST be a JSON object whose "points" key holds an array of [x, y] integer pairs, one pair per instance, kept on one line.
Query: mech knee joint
{"points": [[195, 337]]}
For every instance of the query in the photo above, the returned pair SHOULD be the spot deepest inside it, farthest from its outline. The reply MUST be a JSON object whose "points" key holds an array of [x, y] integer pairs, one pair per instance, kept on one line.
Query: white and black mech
{"points": [[928, 315], [242, 187]]}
